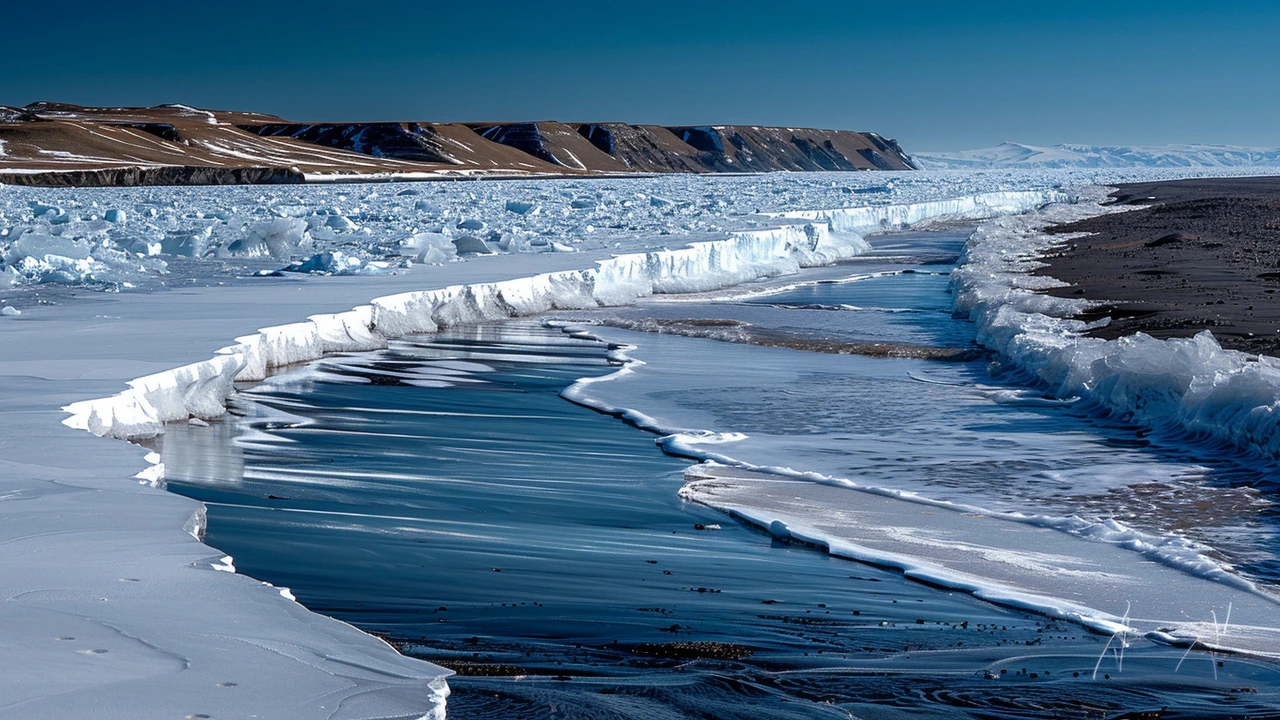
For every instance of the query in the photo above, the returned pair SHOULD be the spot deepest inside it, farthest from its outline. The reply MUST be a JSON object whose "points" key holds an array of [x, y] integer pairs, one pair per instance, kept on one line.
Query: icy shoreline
{"points": [[151, 339], [200, 390], [1184, 387], [114, 341], [953, 544]]}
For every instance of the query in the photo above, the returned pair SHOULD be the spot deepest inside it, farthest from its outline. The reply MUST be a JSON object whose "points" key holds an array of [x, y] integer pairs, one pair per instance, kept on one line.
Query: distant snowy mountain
{"points": [[1017, 155]]}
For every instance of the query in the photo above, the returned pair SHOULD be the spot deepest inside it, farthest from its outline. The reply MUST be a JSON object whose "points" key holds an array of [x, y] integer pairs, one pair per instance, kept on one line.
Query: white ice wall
{"points": [[863, 220], [201, 389]]}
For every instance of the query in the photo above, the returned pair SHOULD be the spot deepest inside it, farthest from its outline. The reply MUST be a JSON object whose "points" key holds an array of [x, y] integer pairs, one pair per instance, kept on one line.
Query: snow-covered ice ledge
{"points": [[200, 390], [113, 607]]}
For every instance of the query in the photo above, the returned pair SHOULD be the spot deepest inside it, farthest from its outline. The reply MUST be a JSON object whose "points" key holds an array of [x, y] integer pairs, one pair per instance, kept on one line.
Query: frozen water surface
{"points": [[560, 548], [98, 562], [120, 237]]}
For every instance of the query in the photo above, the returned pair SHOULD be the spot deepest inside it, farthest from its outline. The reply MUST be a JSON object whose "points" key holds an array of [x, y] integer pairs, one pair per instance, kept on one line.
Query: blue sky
{"points": [[934, 75]]}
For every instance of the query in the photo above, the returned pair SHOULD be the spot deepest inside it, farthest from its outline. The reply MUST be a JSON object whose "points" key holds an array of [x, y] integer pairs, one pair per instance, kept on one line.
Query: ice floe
{"points": [[375, 222]]}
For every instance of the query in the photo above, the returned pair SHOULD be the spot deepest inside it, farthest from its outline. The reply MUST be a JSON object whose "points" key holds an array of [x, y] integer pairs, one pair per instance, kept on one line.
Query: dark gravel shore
{"points": [[1201, 255]]}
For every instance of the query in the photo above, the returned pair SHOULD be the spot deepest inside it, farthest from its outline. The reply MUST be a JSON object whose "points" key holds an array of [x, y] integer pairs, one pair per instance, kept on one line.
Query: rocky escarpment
{"points": [[440, 143], [758, 149], [167, 175], [59, 144], [556, 143], [613, 147], [648, 148]]}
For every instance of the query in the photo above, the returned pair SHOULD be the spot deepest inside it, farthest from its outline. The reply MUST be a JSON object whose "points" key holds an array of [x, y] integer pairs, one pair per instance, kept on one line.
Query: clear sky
{"points": [[935, 75]]}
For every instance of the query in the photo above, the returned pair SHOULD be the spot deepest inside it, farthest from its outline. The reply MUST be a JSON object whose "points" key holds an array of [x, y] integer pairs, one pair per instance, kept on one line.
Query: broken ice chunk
{"points": [[522, 208], [278, 238], [471, 245], [340, 222], [185, 243], [338, 263], [40, 209], [429, 248]]}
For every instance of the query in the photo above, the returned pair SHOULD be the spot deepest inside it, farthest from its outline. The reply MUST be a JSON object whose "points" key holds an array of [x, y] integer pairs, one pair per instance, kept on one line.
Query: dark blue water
{"points": [[441, 493], [911, 306]]}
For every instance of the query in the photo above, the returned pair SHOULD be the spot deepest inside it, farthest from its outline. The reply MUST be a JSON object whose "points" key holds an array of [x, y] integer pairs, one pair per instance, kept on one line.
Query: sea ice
{"points": [[471, 245], [278, 238], [1020, 566], [365, 222], [701, 266], [429, 248], [180, 639], [814, 479], [338, 263]]}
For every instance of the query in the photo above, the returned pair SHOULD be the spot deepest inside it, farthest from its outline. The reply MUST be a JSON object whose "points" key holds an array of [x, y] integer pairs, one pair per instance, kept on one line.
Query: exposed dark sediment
{"points": [[1201, 255], [741, 332], [168, 175]]}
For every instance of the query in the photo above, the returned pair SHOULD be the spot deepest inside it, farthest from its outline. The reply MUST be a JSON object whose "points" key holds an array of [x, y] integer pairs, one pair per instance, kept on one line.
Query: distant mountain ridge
{"points": [[1010, 155], [60, 144]]}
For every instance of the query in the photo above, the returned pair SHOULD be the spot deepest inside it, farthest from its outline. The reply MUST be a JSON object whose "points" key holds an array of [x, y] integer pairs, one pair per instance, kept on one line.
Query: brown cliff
{"points": [[70, 145]]}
